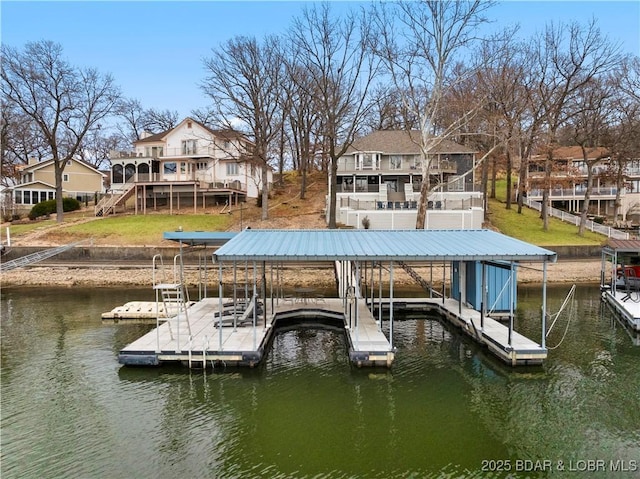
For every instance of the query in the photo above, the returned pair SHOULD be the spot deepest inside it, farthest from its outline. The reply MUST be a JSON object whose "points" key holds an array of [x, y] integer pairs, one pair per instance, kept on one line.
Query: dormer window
{"points": [[368, 161]]}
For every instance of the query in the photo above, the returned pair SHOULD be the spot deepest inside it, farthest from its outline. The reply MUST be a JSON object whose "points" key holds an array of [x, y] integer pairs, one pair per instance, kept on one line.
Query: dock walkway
{"points": [[626, 305], [201, 340]]}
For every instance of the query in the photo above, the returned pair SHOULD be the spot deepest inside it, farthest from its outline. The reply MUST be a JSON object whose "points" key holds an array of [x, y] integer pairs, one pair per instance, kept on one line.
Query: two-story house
{"points": [[37, 183], [380, 176], [189, 166], [569, 183]]}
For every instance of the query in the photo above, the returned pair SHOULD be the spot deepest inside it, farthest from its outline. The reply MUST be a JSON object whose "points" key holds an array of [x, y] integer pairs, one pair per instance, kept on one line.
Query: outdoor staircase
{"points": [[424, 284], [37, 256], [109, 202]]}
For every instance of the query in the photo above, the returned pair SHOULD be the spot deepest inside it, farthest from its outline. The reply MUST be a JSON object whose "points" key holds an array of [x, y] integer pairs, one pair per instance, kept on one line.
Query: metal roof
{"points": [[403, 245], [199, 238], [624, 246]]}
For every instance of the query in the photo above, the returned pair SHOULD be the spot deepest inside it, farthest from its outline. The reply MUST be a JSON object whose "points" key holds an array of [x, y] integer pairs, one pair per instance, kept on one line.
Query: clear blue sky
{"points": [[154, 49]]}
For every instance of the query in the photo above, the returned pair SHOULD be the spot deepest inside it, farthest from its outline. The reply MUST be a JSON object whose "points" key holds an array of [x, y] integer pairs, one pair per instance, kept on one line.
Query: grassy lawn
{"points": [[528, 225], [148, 230], [129, 230]]}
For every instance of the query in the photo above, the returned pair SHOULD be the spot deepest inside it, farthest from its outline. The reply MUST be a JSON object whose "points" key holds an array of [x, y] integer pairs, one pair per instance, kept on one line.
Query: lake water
{"points": [[445, 409]]}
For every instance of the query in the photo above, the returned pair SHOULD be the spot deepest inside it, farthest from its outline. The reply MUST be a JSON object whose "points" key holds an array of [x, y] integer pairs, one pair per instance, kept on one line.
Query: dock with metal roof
{"points": [[365, 260]]}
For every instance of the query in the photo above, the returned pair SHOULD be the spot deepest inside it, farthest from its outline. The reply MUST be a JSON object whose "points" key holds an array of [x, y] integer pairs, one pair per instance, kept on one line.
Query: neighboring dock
{"points": [[620, 280]]}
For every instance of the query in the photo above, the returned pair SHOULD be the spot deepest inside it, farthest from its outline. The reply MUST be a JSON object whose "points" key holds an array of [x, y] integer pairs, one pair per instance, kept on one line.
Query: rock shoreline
{"points": [[99, 275]]}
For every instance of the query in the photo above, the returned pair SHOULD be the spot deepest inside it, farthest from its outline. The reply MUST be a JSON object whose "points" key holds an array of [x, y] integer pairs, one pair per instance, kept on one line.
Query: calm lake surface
{"points": [[445, 409]]}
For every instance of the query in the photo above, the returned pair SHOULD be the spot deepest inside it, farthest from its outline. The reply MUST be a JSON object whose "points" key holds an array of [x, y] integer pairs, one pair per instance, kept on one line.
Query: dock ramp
{"points": [[38, 256]]}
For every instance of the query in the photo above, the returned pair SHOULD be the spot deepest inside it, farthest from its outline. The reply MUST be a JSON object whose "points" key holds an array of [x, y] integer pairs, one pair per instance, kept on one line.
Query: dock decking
{"points": [[368, 346], [202, 341], [626, 305]]}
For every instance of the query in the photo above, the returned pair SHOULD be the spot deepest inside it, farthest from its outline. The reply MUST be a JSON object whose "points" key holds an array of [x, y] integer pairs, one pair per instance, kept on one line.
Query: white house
{"points": [[380, 176], [189, 166]]}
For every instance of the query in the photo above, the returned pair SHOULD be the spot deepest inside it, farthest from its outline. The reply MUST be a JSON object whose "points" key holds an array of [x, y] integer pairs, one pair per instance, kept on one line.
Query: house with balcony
{"points": [[569, 183], [37, 183], [189, 167], [380, 176]]}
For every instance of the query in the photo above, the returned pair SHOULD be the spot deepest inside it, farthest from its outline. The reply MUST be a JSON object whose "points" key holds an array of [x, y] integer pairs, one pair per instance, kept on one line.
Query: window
{"points": [[202, 165], [170, 168], [395, 162], [189, 147], [43, 196], [51, 196], [232, 169], [18, 197], [456, 183], [34, 198], [65, 177], [153, 151]]}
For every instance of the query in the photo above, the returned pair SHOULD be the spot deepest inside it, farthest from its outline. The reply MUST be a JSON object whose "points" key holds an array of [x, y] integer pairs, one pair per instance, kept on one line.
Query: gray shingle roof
{"points": [[402, 142]]}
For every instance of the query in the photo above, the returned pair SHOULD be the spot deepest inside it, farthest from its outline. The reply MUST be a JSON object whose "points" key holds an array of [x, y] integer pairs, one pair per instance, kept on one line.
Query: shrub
{"points": [[48, 207]]}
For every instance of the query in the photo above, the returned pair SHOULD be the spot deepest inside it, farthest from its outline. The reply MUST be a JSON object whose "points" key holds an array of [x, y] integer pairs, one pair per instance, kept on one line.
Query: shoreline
{"points": [[98, 275]]}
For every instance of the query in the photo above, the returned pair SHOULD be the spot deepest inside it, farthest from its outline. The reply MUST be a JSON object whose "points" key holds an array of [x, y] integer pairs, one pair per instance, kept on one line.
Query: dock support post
{"points": [[255, 305], [391, 305], [380, 296], [220, 307], [483, 300], [544, 305], [235, 297], [512, 295]]}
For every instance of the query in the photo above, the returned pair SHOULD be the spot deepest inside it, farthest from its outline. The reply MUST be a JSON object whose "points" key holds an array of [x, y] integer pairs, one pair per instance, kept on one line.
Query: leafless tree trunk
{"points": [[64, 102], [418, 44], [244, 79], [568, 57], [333, 52]]}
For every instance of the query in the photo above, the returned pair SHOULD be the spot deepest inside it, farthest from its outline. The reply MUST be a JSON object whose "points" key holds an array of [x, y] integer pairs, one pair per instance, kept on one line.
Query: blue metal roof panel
{"points": [[404, 245], [199, 237]]}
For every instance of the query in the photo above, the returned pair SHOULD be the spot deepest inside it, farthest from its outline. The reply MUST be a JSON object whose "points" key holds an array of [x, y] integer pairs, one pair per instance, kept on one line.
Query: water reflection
{"points": [[69, 410]]}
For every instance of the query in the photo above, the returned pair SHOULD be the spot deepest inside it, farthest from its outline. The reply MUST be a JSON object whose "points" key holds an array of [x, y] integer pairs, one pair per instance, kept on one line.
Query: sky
{"points": [[155, 49]]}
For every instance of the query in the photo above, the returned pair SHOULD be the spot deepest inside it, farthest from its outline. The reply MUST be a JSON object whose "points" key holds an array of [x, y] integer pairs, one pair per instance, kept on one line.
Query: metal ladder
{"points": [[174, 298]]}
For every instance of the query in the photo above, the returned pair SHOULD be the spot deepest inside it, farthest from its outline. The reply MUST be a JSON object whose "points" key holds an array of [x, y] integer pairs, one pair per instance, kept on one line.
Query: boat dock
{"points": [[368, 346], [620, 280], [236, 327], [241, 339]]}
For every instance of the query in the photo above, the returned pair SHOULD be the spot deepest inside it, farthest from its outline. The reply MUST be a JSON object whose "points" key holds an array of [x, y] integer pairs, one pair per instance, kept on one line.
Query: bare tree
{"points": [[160, 120], [333, 52], [133, 120], [20, 142], [244, 78], [586, 129], [63, 102], [567, 57], [419, 42], [622, 137]]}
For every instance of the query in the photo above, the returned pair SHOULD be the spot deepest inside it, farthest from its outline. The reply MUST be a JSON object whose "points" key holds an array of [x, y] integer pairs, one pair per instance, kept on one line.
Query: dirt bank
{"points": [[566, 271]]}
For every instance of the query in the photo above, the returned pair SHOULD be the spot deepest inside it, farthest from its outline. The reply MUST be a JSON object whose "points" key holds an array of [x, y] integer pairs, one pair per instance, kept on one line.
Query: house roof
{"points": [[31, 184], [402, 142], [43, 164], [226, 134], [575, 153], [376, 245]]}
